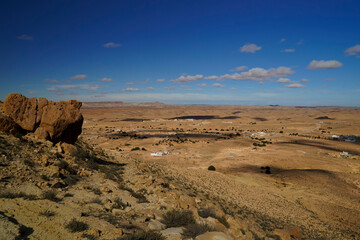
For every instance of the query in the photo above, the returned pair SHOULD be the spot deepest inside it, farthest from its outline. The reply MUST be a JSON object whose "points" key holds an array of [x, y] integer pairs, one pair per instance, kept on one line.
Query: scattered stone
{"points": [[156, 225], [213, 236]]}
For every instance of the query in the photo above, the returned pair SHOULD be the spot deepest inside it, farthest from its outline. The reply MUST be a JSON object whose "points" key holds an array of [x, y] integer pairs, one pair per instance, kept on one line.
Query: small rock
{"points": [[213, 236], [156, 225], [41, 133], [173, 231]]}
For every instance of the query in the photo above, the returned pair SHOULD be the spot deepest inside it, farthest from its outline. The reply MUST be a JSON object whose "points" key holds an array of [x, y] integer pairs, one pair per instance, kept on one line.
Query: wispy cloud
{"points": [[144, 82], [75, 86], [130, 90], [106, 80], [322, 64], [188, 78], [282, 40], [239, 69], [295, 85], [160, 80], [129, 83], [185, 87], [150, 88], [233, 89], [25, 37], [111, 45], [48, 80], [79, 76], [259, 74], [250, 48], [284, 80], [202, 84], [354, 50], [288, 50], [305, 80], [218, 85], [212, 77], [170, 88]]}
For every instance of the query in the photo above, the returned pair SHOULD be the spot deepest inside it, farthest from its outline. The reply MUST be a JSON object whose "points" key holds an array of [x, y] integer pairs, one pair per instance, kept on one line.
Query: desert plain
{"points": [[271, 162]]}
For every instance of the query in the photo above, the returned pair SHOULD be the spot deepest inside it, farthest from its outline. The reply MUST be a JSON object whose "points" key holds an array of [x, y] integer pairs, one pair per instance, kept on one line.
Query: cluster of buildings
{"points": [[345, 138]]}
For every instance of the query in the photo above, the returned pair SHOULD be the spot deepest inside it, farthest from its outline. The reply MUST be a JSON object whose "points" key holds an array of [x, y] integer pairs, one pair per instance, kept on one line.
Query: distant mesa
{"points": [[61, 121]]}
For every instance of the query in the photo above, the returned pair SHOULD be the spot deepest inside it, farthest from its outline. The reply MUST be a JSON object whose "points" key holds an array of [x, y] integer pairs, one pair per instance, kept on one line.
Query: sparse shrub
{"points": [[68, 195], [51, 195], [207, 212], [47, 213], [76, 226], [178, 218], [88, 236], [211, 168], [196, 229], [148, 235], [135, 149], [119, 204], [29, 163], [223, 221], [281, 131], [97, 191], [140, 197], [44, 177], [143, 149], [17, 195], [95, 200]]}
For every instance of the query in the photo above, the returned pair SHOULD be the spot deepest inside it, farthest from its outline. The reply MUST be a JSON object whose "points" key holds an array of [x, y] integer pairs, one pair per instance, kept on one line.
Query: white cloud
{"points": [[130, 90], [144, 82], [295, 85], [106, 79], [112, 45], [288, 50], [218, 85], [239, 69], [212, 77], [160, 80], [202, 85], [251, 48], [150, 88], [129, 83], [354, 50], [259, 74], [185, 87], [170, 88], [283, 80], [75, 86], [25, 37], [233, 89], [188, 78], [305, 80], [79, 76], [322, 64], [51, 80], [283, 40]]}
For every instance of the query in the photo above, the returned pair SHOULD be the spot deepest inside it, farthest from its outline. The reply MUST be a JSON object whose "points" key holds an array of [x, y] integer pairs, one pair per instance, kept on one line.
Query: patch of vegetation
{"points": [[47, 213], [211, 168], [44, 177], [95, 200], [11, 195], [76, 226], [178, 218], [97, 191], [119, 204], [147, 235], [135, 149], [209, 212], [196, 229], [267, 169], [88, 236], [29, 163], [68, 195], [51, 195], [141, 198]]}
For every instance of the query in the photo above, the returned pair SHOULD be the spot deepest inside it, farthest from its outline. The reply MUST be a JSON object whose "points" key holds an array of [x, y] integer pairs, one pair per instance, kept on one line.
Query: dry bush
{"points": [[178, 218]]}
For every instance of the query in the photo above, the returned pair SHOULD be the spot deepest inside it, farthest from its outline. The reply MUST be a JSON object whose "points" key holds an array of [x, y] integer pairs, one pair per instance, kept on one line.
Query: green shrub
{"points": [[211, 168], [76, 226], [178, 218]]}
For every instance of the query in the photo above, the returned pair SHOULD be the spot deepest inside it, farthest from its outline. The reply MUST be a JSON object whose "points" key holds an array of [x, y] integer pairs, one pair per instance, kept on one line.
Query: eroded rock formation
{"points": [[61, 121]]}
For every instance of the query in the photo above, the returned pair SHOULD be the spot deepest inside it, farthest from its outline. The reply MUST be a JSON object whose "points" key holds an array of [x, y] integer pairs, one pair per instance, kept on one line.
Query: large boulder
{"points": [[63, 121], [22, 110], [57, 122]]}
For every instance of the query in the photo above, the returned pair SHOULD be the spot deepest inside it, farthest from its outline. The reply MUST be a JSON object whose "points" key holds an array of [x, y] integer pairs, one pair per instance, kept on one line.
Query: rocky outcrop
{"points": [[57, 122], [8, 125]]}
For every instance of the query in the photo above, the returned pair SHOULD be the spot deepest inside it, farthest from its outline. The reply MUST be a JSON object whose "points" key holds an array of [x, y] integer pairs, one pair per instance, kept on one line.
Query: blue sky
{"points": [[183, 52]]}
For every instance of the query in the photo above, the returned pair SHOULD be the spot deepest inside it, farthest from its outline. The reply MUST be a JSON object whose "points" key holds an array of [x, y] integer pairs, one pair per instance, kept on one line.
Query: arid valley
{"points": [[313, 179]]}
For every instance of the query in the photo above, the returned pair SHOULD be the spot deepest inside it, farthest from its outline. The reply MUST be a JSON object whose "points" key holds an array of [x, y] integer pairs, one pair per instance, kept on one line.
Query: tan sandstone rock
{"points": [[21, 109], [8, 125]]}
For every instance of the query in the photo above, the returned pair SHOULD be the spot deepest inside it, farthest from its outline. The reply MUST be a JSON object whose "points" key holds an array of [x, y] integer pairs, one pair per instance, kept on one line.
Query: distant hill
{"points": [[121, 104]]}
